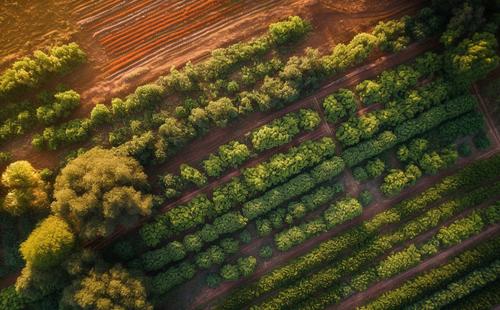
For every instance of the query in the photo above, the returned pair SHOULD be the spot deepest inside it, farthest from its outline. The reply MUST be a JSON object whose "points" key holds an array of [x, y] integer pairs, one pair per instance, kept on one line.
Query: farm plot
{"points": [[306, 188]]}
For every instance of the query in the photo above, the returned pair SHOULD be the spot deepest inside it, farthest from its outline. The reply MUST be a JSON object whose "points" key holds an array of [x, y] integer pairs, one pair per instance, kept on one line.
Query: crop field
{"points": [[250, 155]]}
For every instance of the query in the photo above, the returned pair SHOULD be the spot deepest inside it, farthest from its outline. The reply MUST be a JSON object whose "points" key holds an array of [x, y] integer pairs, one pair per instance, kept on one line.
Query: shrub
{"points": [[266, 252], [193, 243], [245, 237], [64, 103], [360, 174], [288, 30], [100, 115], [365, 198], [246, 265], [213, 280], [230, 272], [193, 175]]}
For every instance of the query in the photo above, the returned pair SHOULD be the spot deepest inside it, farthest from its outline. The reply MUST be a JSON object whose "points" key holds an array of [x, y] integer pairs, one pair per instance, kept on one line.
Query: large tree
{"points": [[26, 189], [99, 190], [106, 290]]}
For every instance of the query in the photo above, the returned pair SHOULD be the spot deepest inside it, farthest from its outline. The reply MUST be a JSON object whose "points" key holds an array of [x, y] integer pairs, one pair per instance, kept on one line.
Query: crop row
{"points": [[465, 179], [366, 253], [406, 258]]}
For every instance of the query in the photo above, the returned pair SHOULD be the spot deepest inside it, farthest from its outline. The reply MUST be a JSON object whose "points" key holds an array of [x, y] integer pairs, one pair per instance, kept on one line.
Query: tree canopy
{"points": [[99, 190], [26, 189]]}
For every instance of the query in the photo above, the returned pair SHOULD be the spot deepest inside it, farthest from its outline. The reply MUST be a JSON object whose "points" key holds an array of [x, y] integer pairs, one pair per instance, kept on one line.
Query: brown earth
{"points": [[109, 30]]}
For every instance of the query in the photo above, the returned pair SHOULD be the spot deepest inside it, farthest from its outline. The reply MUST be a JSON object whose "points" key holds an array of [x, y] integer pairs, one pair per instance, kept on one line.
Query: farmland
{"points": [[251, 155]]}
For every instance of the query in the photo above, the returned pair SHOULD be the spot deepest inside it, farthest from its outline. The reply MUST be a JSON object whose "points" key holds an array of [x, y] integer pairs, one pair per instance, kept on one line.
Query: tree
{"points": [[230, 272], [348, 134], [473, 58], [193, 175], [340, 104], [221, 111], [375, 167], [64, 103], [392, 35], [100, 115], [48, 244], [246, 265], [266, 252], [25, 189], [288, 30], [193, 243], [102, 290], [176, 132], [98, 191]]}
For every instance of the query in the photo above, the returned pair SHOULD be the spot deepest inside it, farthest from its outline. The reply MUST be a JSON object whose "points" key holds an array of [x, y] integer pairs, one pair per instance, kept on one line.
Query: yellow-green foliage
{"points": [[48, 244], [26, 190], [113, 289]]}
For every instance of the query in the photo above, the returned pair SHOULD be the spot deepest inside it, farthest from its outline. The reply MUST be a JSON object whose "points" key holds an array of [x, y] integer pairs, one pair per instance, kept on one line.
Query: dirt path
{"points": [[209, 296], [435, 261]]}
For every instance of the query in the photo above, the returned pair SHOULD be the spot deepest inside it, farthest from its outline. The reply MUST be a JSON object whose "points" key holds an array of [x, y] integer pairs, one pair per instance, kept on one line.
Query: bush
{"points": [[339, 105], [213, 280], [481, 141], [365, 198], [10, 299], [193, 175], [100, 115], [360, 174], [29, 73], [342, 211], [247, 265], [193, 243], [230, 246], [266, 252], [288, 30], [245, 237], [230, 272], [64, 103], [397, 180]]}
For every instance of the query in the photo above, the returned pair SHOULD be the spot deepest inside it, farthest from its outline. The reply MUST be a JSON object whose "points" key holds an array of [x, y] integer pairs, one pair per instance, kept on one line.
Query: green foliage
{"points": [[245, 237], [193, 175], [229, 222], [266, 252], [64, 103], [397, 180], [111, 289], [48, 244], [230, 246], [192, 243], [366, 198], [360, 174], [29, 73], [247, 265], [399, 261], [481, 171], [473, 58], [26, 191], [174, 276], [100, 115], [375, 168], [213, 280], [288, 30], [221, 111], [434, 278], [73, 131], [342, 211], [481, 140], [157, 259], [230, 272], [392, 35], [340, 104], [10, 299], [94, 205]]}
